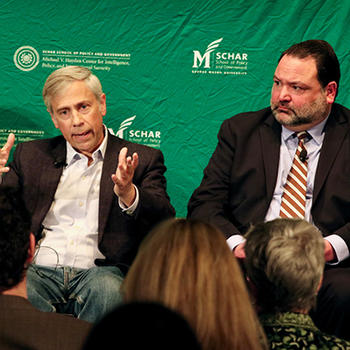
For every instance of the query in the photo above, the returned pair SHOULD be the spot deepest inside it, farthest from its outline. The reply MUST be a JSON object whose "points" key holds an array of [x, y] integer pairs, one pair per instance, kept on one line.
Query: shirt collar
{"points": [[72, 154], [287, 319], [316, 132]]}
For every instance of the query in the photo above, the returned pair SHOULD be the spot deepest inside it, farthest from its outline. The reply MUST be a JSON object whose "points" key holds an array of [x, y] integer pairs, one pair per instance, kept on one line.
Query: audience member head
{"points": [[62, 77], [188, 266], [327, 63], [142, 325], [284, 262], [16, 241]]}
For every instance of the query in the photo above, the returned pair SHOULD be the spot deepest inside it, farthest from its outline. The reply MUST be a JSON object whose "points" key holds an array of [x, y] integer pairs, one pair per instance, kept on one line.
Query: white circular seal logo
{"points": [[26, 58]]}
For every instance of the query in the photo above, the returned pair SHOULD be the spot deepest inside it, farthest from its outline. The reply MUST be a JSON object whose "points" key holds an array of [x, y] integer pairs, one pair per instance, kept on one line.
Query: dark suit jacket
{"points": [[240, 179], [24, 327], [37, 167]]}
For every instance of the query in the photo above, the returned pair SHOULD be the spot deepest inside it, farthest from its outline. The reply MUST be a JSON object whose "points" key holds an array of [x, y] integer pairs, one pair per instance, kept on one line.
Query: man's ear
{"points": [[320, 283], [31, 249], [253, 290], [103, 107], [53, 118], [331, 91]]}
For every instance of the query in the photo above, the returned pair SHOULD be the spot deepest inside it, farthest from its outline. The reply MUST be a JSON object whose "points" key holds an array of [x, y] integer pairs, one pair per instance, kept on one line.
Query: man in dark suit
{"points": [[92, 206], [246, 177], [21, 325]]}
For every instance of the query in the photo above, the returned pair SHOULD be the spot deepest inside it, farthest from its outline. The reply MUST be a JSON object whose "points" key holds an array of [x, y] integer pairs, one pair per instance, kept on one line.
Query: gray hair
{"points": [[285, 262], [60, 78]]}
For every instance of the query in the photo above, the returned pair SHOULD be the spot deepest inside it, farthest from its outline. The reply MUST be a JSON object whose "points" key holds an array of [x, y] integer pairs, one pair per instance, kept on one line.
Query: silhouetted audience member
{"points": [[142, 326], [21, 325], [284, 262], [188, 266]]}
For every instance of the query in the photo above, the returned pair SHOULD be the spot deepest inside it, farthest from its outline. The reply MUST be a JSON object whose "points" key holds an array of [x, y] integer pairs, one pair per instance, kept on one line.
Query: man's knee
{"points": [[333, 303], [40, 290], [103, 281], [336, 286], [98, 293]]}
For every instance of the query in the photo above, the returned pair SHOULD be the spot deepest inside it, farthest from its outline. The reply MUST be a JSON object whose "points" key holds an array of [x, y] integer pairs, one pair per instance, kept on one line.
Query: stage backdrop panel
{"points": [[172, 70]]}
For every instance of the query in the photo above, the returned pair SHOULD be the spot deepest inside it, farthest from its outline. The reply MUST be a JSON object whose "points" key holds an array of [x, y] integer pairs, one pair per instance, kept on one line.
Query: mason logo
{"points": [[26, 58], [124, 125], [198, 58]]}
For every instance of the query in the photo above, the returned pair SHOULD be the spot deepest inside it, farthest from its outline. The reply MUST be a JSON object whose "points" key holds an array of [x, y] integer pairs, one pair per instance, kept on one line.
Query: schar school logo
{"points": [[198, 58], [150, 138], [26, 58], [124, 125], [223, 62]]}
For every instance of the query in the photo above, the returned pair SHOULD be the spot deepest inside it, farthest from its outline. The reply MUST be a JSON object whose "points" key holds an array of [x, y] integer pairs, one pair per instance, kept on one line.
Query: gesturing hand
{"points": [[123, 177], [5, 152]]}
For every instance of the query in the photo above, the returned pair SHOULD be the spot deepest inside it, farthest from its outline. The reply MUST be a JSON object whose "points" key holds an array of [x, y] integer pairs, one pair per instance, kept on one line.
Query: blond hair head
{"points": [[188, 266], [58, 80]]}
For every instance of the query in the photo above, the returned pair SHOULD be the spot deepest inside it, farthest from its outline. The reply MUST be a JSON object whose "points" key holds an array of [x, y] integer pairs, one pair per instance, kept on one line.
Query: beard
{"points": [[306, 114]]}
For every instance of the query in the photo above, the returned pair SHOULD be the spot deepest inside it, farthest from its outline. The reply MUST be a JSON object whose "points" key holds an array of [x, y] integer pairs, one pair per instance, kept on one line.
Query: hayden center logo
{"points": [[125, 131], [219, 61], [26, 58]]}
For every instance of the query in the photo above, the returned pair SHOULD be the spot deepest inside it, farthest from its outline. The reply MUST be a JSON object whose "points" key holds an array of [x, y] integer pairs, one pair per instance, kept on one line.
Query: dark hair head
{"points": [[327, 64], [142, 325], [14, 237]]}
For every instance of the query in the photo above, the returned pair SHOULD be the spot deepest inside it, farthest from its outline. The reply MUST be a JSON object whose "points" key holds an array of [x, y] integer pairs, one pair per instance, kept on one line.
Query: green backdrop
{"points": [[172, 70]]}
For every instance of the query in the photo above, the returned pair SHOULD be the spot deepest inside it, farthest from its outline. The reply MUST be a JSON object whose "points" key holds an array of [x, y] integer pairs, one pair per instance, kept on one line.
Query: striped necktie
{"points": [[294, 194]]}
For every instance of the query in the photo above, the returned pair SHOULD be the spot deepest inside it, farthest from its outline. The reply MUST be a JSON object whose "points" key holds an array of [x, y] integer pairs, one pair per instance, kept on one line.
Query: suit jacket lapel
{"points": [[335, 130], [107, 195], [270, 140]]}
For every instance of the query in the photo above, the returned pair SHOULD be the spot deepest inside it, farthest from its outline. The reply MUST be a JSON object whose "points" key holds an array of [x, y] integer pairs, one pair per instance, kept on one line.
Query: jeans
{"points": [[86, 294]]}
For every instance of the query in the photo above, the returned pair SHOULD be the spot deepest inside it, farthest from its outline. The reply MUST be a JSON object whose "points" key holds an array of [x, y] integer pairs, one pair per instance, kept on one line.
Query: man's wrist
{"points": [[132, 207], [129, 196], [234, 240], [339, 247]]}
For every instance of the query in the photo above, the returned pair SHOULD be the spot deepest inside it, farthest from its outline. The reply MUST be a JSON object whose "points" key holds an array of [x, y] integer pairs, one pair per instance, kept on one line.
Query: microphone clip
{"points": [[59, 163]]}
